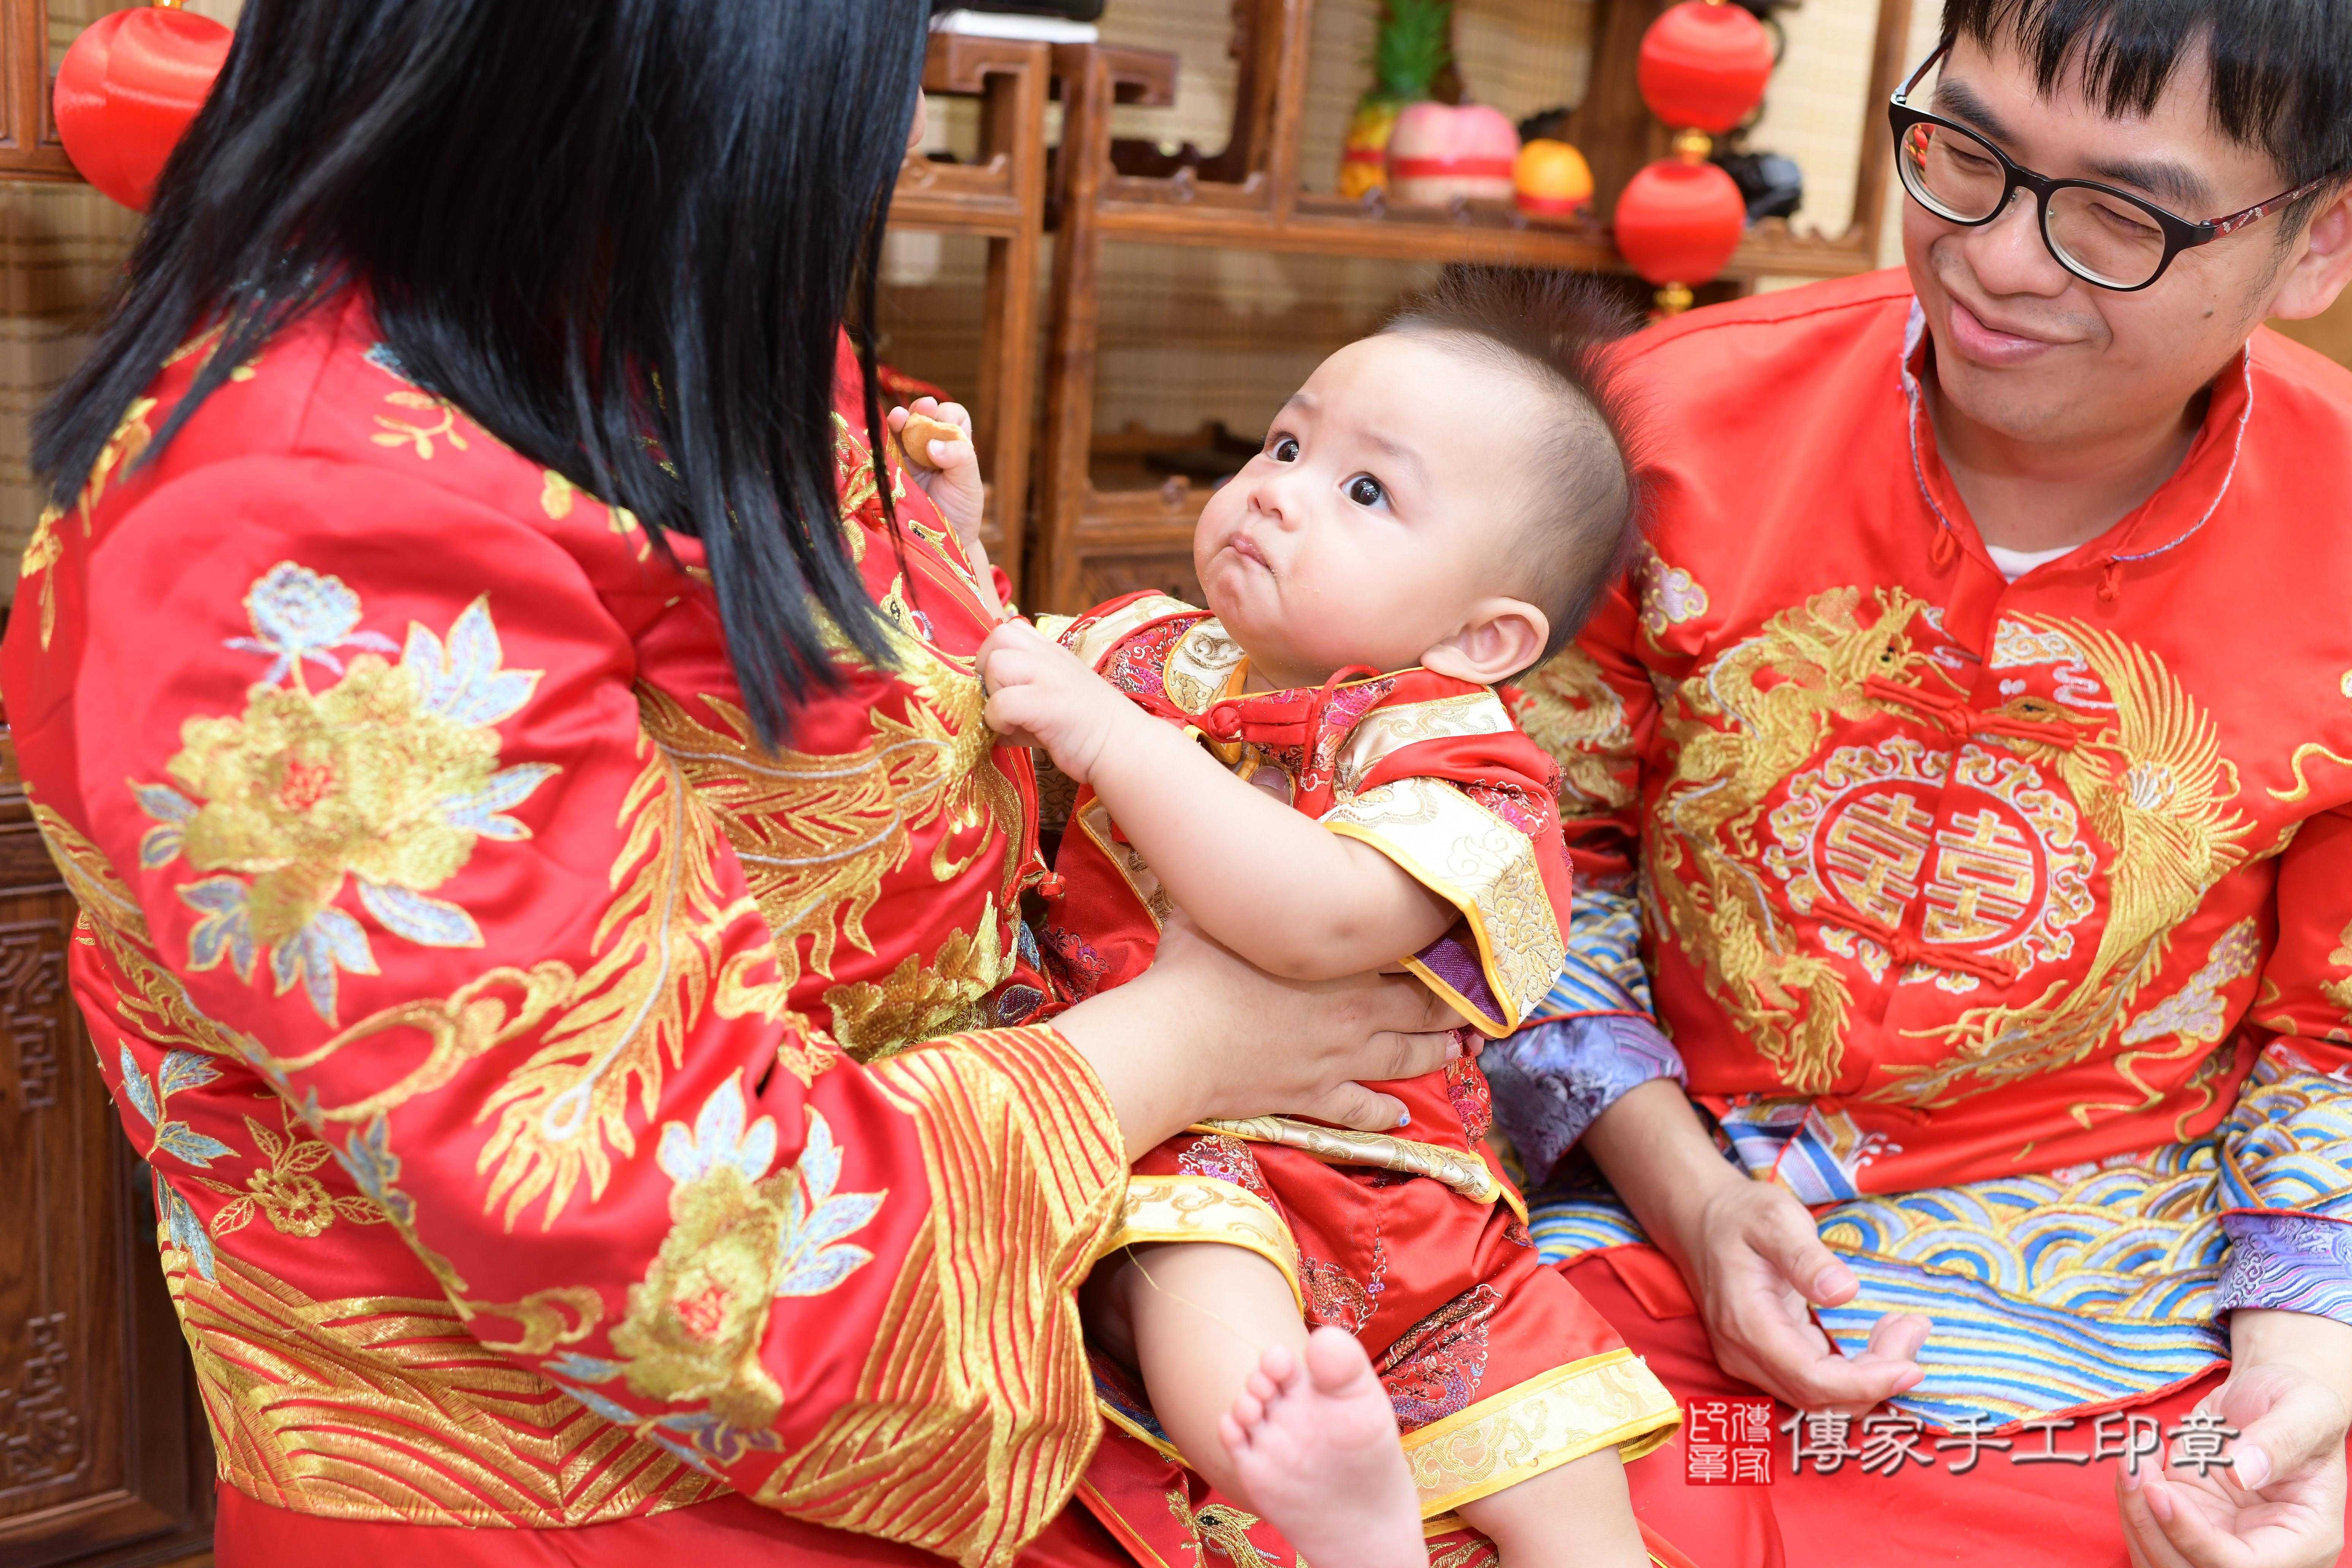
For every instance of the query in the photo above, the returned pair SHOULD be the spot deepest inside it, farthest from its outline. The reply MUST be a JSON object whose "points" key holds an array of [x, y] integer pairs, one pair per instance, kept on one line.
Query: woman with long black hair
{"points": [[545, 877]]}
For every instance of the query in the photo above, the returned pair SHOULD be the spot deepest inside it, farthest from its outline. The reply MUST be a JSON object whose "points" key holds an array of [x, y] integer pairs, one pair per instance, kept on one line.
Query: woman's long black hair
{"points": [[620, 234]]}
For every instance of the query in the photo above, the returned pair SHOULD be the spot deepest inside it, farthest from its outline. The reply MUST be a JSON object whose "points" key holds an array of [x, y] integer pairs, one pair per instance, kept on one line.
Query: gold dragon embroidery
{"points": [[1569, 708], [1741, 725]]}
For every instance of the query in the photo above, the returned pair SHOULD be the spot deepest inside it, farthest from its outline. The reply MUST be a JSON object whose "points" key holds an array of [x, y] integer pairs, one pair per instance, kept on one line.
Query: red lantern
{"points": [[1679, 222], [1705, 64], [128, 89]]}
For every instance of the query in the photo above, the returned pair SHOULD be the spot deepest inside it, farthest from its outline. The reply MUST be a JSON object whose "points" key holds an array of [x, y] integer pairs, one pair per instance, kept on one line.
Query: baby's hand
{"points": [[946, 465], [1041, 694], [943, 461]]}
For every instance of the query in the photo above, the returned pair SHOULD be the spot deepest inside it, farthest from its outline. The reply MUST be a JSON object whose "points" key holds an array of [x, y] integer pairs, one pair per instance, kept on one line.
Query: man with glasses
{"points": [[1965, 785]]}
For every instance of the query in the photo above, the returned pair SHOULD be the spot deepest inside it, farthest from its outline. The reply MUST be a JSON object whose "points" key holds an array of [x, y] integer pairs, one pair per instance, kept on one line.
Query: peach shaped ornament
{"points": [[1439, 152], [127, 91]]}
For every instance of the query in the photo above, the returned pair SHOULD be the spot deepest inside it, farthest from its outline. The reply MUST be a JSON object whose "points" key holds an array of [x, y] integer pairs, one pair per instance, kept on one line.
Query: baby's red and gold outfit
{"points": [[1415, 1243]]}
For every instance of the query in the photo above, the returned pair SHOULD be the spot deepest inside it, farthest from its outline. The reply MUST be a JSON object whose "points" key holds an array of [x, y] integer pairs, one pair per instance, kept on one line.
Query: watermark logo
{"points": [[1728, 1442]]}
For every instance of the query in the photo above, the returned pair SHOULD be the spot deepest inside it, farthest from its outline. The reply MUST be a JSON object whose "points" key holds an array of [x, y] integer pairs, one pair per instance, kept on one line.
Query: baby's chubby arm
{"points": [[1280, 889]]}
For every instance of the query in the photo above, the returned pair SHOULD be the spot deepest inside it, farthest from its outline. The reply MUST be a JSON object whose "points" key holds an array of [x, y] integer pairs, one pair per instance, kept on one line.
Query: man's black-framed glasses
{"points": [[2101, 235]]}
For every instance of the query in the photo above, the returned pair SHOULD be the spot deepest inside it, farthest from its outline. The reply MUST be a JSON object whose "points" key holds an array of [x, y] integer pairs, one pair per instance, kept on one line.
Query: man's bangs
{"points": [[2282, 70]]}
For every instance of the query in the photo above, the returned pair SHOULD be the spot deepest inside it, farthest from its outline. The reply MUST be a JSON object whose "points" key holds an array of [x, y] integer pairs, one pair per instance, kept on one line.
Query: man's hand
{"points": [[947, 470], [1040, 694], [2279, 1501], [1756, 1265], [1752, 1257]]}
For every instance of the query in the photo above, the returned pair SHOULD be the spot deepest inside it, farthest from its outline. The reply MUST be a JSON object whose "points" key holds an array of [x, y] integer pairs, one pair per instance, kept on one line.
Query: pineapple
{"points": [[1413, 47]]}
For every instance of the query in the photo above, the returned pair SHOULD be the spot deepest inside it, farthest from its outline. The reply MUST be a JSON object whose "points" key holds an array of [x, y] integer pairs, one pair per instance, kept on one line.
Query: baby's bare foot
{"points": [[1316, 1447]]}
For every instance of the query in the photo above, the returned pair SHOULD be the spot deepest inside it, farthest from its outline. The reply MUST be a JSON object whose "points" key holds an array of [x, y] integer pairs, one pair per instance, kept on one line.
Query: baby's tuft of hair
{"points": [[1554, 330]]}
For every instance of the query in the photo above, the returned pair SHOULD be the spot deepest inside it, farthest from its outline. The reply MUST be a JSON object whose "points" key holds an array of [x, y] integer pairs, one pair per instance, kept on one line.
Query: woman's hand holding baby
{"points": [[1041, 694]]}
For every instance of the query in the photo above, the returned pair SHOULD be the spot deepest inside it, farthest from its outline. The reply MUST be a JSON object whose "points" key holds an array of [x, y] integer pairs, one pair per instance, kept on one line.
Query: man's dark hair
{"points": [[2282, 69], [1554, 331], [621, 235]]}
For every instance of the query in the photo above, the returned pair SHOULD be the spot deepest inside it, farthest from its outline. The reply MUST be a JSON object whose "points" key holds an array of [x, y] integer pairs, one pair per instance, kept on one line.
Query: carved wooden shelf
{"points": [[1090, 533], [29, 148], [1000, 198]]}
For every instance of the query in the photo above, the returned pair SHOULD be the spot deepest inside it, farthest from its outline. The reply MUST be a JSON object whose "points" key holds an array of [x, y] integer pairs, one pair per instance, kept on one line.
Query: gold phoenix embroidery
{"points": [[2152, 783], [387, 1408], [817, 833]]}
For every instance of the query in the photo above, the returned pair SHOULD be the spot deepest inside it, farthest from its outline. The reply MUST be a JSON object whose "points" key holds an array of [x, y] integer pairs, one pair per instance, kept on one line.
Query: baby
{"points": [[1317, 771]]}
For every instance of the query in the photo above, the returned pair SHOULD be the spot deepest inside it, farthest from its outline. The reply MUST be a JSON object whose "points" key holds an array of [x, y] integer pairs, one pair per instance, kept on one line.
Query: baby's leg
{"points": [[1301, 1433], [1578, 1516]]}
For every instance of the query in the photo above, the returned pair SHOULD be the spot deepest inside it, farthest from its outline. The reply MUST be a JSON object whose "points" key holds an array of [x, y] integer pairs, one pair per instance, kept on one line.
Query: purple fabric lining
{"points": [[2294, 1263], [1551, 1080], [1454, 959]]}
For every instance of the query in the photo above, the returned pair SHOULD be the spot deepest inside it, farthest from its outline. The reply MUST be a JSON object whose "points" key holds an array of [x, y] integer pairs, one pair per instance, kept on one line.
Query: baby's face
{"points": [[1382, 510]]}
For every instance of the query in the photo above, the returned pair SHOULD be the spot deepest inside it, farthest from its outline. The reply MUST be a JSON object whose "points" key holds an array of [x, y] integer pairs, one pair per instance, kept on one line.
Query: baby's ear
{"points": [[1501, 638]]}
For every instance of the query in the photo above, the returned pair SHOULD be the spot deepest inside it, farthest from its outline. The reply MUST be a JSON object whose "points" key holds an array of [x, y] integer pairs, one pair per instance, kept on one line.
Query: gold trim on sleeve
{"points": [[1202, 1208], [975, 1415], [1459, 1169], [1482, 865], [1612, 1399]]}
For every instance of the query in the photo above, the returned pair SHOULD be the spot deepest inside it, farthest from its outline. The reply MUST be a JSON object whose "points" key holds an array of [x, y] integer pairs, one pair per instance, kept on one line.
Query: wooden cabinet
{"points": [[104, 1456]]}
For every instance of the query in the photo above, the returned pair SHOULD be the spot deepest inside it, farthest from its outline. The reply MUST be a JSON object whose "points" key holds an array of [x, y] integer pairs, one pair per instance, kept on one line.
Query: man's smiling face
{"points": [[2027, 349]]}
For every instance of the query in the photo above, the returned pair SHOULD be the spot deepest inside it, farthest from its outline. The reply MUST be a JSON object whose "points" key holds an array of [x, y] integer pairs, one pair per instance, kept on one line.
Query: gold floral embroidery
{"points": [[917, 1002], [386, 778], [740, 1237], [295, 1201], [555, 495], [418, 435], [975, 1415], [603, 1035]]}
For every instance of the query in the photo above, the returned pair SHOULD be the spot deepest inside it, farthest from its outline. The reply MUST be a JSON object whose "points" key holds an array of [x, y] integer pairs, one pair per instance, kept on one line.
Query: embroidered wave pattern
{"points": [[2048, 1293]]}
